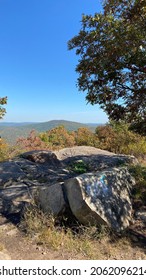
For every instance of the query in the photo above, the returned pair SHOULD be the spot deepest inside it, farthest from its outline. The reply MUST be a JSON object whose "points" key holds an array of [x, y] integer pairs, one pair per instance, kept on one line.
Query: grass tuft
{"points": [[49, 233]]}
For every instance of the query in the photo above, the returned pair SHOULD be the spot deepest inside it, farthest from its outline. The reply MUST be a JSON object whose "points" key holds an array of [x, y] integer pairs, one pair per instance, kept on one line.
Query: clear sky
{"points": [[37, 72]]}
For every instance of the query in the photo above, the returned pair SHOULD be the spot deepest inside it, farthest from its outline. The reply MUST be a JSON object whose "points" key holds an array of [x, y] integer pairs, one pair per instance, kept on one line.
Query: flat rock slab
{"points": [[80, 151], [96, 159]]}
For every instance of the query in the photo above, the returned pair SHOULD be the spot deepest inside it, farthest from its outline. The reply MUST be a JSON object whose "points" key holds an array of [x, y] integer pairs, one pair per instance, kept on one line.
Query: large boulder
{"points": [[50, 176], [101, 197], [42, 156]]}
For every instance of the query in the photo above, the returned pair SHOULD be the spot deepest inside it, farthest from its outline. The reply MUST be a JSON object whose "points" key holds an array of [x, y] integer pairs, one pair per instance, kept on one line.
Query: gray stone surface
{"points": [[51, 199], [96, 159], [42, 157], [13, 198], [101, 197], [9, 172], [67, 153], [45, 172]]}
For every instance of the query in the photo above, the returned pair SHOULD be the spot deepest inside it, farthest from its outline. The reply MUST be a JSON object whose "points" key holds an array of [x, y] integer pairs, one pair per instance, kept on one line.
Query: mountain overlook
{"points": [[12, 131]]}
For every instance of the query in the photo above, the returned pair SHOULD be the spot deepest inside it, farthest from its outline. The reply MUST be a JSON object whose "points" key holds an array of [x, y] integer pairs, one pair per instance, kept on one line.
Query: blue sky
{"points": [[37, 72]]}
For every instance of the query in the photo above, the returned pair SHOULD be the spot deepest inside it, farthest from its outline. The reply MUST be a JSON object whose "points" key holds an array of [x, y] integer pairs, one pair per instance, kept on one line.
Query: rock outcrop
{"points": [[101, 197], [51, 177]]}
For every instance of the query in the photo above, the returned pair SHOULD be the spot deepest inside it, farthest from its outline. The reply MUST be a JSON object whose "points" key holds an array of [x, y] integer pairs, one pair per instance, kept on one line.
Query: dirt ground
{"points": [[15, 245]]}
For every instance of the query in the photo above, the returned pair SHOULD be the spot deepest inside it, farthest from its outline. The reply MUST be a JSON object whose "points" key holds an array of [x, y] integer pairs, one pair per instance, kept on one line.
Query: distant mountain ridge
{"points": [[15, 123], [12, 131]]}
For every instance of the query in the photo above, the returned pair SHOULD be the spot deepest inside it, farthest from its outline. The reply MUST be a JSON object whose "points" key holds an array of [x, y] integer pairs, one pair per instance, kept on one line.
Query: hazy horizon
{"points": [[21, 122]]}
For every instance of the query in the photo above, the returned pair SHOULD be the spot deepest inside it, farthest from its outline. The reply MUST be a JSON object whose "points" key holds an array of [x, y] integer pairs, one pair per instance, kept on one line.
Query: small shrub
{"points": [[34, 220], [79, 167], [139, 190]]}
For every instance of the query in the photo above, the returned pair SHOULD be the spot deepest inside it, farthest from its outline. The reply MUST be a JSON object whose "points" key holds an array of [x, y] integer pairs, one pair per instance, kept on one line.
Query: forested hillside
{"points": [[10, 132]]}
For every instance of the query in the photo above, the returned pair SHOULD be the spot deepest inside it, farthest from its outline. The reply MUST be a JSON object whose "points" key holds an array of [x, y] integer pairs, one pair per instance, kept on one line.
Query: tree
{"points": [[84, 136], [112, 64], [106, 137], [3, 101], [58, 137], [116, 137], [31, 142]]}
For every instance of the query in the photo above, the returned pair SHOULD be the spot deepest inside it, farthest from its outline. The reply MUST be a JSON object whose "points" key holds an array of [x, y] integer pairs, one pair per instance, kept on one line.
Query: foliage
{"points": [[139, 190], [32, 142], [58, 137], [112, 64], [3, 150], [8, 151], [139, 127], [3, 101], [84, 136], [116, 137], [106, 136]]}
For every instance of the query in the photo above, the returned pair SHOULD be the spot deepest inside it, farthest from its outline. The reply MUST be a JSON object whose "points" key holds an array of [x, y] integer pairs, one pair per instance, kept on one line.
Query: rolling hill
{"points": [[12, 131]]}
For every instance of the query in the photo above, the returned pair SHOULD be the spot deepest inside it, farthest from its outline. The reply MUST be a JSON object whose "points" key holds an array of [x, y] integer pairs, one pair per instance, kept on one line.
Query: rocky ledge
{"points": [[101, 195]]}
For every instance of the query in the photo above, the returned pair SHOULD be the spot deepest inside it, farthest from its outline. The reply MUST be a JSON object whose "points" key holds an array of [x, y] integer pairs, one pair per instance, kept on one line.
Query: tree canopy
{"points": [[112, 64], [3, 101]]}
